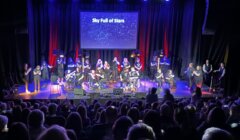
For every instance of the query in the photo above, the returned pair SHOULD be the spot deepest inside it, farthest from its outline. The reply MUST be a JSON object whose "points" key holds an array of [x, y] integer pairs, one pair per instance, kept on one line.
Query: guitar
{"points": [[26, 73], [69, 75]]}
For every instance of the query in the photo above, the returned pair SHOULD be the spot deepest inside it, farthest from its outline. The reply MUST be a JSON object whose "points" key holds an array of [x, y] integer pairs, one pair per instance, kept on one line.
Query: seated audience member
{"points": [[152, 118], [18, 131], [134, 114], [152, 96], [216, 118], [3, 127], [104, 131], [52, 117], [120, 127], [167, 95], [71, 134], [141, 131], [83, 113], [214, 133], [197, 95], [74, 122], [35, 123], [55, 132]]}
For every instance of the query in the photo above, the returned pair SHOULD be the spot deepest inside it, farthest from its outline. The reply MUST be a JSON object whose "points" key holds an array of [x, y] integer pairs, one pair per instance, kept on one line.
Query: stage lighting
{"points": [[167, 0]]}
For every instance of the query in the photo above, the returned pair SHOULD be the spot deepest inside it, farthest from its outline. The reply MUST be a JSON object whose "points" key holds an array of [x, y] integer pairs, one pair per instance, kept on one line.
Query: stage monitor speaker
{"points": [[140, 94], [94, 95], [78, 91], [117, 91]]}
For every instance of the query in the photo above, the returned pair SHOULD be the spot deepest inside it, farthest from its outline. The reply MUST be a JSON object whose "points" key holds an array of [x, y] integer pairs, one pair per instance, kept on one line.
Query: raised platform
{"points": [[49, 91]]}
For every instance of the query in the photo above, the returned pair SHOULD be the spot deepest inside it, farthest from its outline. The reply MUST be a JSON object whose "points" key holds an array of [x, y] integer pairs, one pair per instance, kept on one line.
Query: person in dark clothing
{"points": [[167, 95], [152, 97]]}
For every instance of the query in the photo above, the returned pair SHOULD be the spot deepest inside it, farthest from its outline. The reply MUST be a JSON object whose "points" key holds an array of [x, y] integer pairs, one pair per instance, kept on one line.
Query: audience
{"points": [[164, 119]]}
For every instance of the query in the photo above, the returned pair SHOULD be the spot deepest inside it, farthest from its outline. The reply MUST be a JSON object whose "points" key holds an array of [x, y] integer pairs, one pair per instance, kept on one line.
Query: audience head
{"points": [[55, 132], [216, 117], [71, 134], [153, 90], [36, 119], [82, 111], [52, 108], [134, 114], [214, 133], [3, 122], [111, 114], [121, 126], [140, 131], [74, 121], [18, 131]]}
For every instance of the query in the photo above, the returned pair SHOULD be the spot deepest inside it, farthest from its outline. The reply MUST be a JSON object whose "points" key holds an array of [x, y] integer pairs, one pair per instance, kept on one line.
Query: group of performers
{"points": [[104, 72], [196, 77]]}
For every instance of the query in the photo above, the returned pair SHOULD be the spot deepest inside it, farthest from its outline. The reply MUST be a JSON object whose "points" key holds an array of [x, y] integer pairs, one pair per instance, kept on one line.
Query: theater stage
{"points": [[110, 91]]}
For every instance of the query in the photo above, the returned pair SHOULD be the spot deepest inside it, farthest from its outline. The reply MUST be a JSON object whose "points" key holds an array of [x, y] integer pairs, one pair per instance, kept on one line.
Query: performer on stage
{"points": [[138, 65], [60, 68], [79, 76], [99, 65], [125, 64], [27, 71], [153, 67], [86, 70], [78, 62], [115, 64], [124, 78], [198, 76], [71, 65], [221, 72], [170, 78], [37, 77], [93, 80], [189, 73], [207, 69], [45, 71], [134, 78], [159, 77], [107, 71]]}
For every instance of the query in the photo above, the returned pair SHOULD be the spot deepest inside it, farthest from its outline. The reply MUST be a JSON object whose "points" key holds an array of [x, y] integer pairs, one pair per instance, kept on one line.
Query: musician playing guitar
{"points": [[125, 64], [26, 76], [124, 75], [79, 76]]}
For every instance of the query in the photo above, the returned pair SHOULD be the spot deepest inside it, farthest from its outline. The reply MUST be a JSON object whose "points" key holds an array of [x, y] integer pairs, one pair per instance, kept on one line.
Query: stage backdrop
{"points": [[174, 26]]}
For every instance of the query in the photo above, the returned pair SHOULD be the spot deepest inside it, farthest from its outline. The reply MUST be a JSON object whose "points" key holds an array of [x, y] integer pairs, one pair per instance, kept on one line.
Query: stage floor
{"points": [[50, 91]]}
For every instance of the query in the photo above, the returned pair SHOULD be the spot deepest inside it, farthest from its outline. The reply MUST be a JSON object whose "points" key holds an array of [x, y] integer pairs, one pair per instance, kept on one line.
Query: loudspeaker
{"points": [[140, 94], [94, 95], [78, 91], [117, 91]]}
